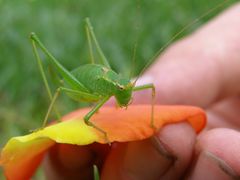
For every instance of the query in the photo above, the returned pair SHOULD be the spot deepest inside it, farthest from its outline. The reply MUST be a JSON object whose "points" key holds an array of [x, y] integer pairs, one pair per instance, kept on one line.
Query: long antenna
{"points": [[177, 34]]}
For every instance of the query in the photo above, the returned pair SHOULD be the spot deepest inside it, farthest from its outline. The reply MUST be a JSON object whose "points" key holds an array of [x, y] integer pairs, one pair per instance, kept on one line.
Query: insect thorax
{"points": [[103, 81]]}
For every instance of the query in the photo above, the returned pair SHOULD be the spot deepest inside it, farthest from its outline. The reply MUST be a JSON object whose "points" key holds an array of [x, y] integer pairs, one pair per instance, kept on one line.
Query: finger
{"points": [[217, 154], [202, 68], [164, 157], [225, 114], [65, 161]]}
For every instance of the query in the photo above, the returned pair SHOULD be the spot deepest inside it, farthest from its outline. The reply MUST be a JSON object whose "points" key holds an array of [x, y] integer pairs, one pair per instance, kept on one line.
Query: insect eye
{"points": [[121, 87]]}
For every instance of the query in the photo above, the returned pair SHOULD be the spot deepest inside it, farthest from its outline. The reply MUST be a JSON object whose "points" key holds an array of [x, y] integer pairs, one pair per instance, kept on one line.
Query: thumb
{"points": [[200, 69]]}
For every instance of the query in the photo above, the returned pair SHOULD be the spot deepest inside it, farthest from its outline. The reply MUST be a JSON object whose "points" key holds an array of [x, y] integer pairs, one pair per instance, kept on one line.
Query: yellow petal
{"points": [[22, 155]]}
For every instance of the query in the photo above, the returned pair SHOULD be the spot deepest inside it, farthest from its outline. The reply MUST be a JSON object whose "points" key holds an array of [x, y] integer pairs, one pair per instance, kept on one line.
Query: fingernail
{"points": [[222, 165], [163, 149]]}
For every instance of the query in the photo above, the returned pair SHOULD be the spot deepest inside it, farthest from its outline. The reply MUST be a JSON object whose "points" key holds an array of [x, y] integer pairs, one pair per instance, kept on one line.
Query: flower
{"points": [[22, 155]]}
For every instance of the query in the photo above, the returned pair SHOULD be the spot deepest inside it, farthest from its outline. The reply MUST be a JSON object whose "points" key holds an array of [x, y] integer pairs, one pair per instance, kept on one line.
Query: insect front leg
{"points": [[92, 112], [149, 86]]}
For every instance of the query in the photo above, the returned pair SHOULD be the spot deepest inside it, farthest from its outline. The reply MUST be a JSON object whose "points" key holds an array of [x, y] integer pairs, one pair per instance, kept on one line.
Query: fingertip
{"points": [[217, 154], [180, 138], [167, 158], [223, 142]]}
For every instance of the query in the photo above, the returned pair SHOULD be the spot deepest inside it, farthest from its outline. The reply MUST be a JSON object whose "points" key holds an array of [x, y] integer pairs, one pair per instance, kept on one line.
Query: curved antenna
{"points": [[177, 34]]}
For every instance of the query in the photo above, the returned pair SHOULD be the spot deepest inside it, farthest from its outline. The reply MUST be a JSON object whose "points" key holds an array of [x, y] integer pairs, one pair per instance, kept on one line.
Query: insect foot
{"points": [[154, 127], [99, 129], [35, 130]]}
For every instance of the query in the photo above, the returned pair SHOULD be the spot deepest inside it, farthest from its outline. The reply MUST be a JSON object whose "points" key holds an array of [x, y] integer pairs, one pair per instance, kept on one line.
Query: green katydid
{"points": [[97, 82], [90, 82]]}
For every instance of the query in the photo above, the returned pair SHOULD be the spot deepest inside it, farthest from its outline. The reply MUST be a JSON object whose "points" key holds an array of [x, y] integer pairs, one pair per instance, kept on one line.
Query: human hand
{"points": [[203, 70]]}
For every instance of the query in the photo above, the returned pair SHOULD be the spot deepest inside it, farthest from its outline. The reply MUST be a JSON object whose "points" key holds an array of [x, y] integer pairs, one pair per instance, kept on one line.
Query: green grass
{"points": [[60, 25]]}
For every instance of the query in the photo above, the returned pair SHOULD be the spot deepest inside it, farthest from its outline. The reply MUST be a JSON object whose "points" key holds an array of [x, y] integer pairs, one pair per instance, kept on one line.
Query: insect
{"points": [[96, 82], [90, 82]]}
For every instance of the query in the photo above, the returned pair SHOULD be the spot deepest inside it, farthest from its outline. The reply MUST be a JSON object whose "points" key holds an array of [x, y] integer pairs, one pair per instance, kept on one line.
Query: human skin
{"points": [[203, 70]]}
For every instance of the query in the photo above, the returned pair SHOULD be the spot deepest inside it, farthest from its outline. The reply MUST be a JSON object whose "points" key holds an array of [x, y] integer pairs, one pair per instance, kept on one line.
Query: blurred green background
{"points": [[60, 25]]}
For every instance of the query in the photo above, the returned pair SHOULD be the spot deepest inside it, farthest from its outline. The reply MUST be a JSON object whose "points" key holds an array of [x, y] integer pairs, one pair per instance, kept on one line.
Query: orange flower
{"points": [[22, 155]]}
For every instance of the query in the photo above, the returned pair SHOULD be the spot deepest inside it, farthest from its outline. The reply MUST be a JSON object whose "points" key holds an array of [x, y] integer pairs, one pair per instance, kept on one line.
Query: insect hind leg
{"points": [[92, 36], [40, 66], [55, 96], [53, 100], [89, 44]]}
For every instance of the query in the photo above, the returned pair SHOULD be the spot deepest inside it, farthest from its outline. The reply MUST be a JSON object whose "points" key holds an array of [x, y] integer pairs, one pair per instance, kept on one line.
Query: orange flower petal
{"points": [[22, 155], [134, 123]]}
